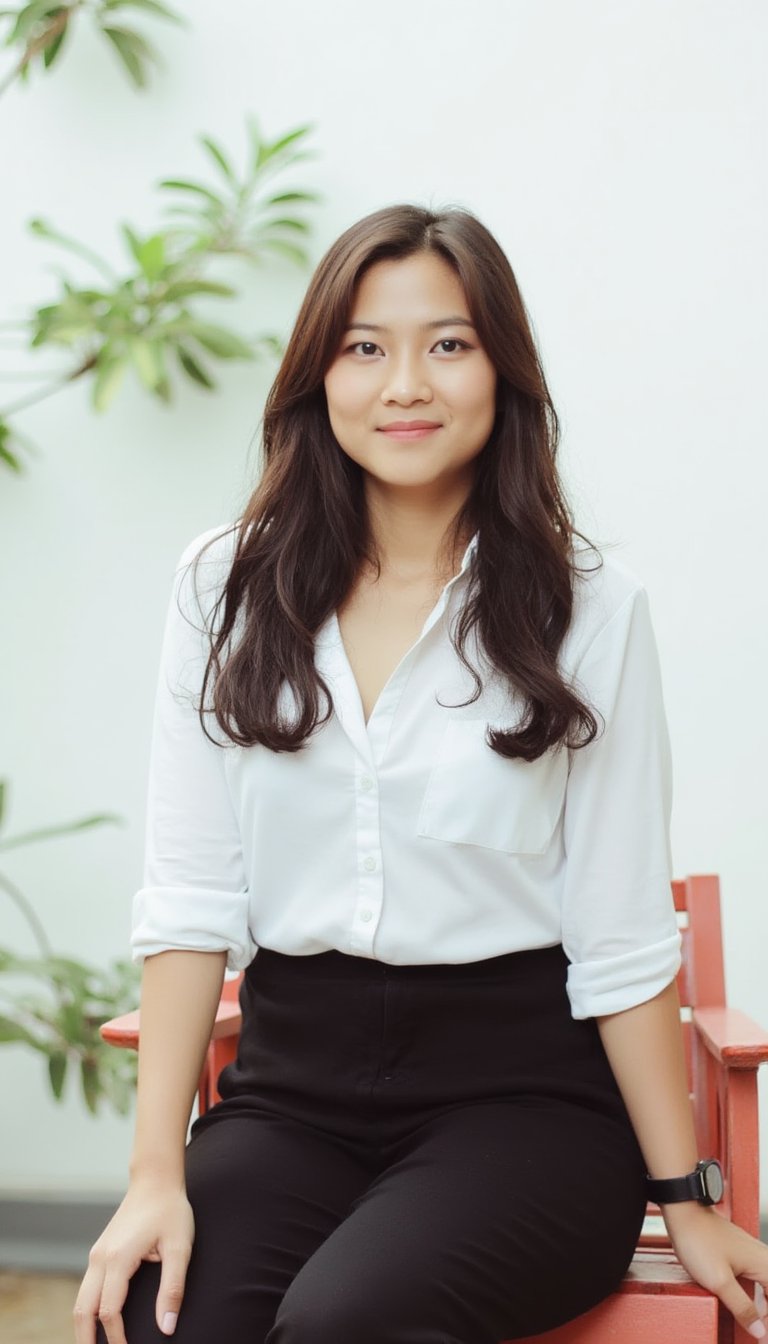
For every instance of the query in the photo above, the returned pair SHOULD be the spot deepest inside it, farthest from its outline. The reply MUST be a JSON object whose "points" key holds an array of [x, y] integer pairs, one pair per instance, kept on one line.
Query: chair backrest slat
{"points": [[701, 978]]}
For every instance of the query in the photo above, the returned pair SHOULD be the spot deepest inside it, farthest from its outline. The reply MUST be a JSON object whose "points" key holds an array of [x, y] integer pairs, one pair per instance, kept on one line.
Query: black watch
{"points": [[705, 1184]]}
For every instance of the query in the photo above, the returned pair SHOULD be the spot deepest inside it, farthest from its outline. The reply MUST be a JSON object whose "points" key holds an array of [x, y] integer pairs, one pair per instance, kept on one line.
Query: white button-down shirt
{"points": [[408, 839]]}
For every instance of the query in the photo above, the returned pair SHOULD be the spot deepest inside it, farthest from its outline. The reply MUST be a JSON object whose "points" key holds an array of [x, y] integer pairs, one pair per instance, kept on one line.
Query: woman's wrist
{"points": [[157, 1170], [686, 1211]]}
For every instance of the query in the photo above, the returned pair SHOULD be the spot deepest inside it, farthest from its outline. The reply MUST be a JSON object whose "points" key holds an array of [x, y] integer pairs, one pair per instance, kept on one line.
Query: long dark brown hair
{"points": [[304, 535]]}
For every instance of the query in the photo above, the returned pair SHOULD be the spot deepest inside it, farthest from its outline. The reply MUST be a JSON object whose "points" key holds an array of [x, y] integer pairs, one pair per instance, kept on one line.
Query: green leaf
{"points": [[194, 370], [151, 256], [11, 1032], [65, 971], [225, 344], [28, 18], [285, 196], [53, 832], [291, 137], [5, 958], [218, 156], [132, 239], [182, 289], [145, 357], [71, 1018], [10, 459], [51, 51], [132, 50], [44, 230], [300, 225], [90, 296], [70, 972], [273, 345], [264, 151], [163, 385], [57, 1072], [108, 380], [89, 1074], [64, 332], [151, 6], [182, 184]]}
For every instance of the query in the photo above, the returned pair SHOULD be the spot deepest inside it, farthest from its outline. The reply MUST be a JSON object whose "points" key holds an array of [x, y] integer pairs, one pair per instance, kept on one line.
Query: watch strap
{"points": [[674, 1189], [704, 1184]]}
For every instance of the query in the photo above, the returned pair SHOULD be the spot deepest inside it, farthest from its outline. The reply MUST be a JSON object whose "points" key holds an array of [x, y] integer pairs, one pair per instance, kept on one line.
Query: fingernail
{"points": [[171, 1317], [757, 1329]]}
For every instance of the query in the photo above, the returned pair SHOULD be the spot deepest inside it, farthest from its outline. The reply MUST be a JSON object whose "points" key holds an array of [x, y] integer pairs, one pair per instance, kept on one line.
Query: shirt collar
{"points": [[329, 631], [472, 545]]}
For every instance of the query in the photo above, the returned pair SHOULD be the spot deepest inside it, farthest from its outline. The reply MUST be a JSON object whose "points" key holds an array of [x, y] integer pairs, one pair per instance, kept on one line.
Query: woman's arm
{"points": [[179, 995], [644, 1045], [180, 992]]}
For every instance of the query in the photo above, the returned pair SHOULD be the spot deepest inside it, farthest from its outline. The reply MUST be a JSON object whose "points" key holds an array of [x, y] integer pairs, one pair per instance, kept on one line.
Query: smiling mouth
{"points": [[409, 431]]}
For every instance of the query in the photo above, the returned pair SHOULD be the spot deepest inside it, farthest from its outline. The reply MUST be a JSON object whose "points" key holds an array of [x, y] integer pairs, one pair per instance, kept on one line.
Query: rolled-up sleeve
{"points": [[194, 895], [619, 925]]}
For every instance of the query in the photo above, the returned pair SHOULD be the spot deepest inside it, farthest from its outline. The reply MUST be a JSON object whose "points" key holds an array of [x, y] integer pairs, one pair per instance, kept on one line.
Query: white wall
{"points": [[615, 149]]}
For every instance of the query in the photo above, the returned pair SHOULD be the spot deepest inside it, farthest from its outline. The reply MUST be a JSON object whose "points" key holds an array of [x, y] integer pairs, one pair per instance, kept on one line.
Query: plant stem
{"points": [[21, 902], [51, 30], [47, 391]]}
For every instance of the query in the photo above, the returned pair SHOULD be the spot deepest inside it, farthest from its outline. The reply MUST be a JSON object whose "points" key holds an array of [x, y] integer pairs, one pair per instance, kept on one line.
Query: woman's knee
{"points": [[333, 1310]]}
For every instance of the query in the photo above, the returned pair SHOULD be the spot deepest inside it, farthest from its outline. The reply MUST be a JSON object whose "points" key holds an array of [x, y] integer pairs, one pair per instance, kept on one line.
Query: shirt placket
{"points": [[370, 866], [370, 744]]}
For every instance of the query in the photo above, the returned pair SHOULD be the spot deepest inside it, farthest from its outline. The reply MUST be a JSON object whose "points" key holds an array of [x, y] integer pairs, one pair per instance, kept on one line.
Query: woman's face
{"points": [[410, 354]]}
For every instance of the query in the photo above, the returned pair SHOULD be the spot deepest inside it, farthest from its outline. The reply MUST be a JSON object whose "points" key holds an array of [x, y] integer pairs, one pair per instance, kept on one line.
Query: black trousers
{"points": [[423, 1154]]}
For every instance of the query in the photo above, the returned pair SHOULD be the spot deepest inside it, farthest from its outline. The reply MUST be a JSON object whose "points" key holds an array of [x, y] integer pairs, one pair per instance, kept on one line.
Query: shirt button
{"points": [[366, 783], [365, 915], [369, 863]]}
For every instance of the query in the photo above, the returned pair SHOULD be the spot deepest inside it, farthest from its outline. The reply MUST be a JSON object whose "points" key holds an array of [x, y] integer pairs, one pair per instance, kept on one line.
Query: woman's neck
{"points": [[410, 541]]}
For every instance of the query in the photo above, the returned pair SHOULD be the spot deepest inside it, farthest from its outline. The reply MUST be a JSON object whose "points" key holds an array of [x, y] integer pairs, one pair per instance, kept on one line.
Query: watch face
{"points": [[713, 1181]]}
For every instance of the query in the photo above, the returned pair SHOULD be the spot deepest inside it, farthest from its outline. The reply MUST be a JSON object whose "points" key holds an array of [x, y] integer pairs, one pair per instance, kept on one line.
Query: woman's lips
{"points": [[412, 431]]}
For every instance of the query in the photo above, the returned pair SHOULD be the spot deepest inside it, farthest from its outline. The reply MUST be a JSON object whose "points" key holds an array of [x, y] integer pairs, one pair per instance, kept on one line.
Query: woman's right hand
{"points": [[154, 1222]]}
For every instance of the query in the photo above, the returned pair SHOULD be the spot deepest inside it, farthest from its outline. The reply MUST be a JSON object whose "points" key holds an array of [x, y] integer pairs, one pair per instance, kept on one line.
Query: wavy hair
{"points": [[304, 533]]}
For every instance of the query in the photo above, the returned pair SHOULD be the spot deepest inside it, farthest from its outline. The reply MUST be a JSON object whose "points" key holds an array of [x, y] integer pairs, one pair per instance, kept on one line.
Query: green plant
{"points": [[40, 30], [61, 1018], [143, 318]]}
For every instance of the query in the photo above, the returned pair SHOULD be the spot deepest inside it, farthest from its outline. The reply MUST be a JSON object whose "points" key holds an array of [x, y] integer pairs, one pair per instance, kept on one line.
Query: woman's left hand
{"points": [[714, 1252]]}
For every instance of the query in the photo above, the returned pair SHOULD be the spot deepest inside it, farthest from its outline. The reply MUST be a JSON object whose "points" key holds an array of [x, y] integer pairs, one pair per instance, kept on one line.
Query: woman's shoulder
{"points": [[202, 570], [603, 586], [214, 547]]}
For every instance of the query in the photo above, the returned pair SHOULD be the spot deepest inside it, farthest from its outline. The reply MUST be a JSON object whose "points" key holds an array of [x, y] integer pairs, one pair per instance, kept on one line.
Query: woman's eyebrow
{"points": [[426, 326]]}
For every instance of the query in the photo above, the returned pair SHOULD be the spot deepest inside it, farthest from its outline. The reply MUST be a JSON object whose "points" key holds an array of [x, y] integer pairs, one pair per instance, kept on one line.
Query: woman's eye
{"points": [[369, 347], [453, 340]]}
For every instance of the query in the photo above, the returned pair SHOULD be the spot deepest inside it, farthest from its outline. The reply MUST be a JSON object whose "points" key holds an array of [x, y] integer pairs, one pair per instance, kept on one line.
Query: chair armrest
{"points": [[731, 1037], [124, 1031]]}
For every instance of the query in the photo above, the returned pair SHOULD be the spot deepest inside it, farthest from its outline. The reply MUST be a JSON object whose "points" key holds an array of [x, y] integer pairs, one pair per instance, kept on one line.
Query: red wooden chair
{"points": [[657, 1299]]}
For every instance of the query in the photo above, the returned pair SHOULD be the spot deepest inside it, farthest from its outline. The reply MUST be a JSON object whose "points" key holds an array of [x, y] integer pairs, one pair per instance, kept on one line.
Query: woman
{"points": [[410, 771]]}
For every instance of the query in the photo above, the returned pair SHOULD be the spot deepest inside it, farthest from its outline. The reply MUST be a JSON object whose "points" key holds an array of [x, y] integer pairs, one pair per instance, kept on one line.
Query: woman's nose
{"points": [[405, 381]]}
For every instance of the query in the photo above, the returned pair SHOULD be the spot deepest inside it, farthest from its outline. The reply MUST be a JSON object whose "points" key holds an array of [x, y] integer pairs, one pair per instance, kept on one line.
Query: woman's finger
{"points": [[171, 1291], [86, 1306], [741, 1305], [113, 1295]]}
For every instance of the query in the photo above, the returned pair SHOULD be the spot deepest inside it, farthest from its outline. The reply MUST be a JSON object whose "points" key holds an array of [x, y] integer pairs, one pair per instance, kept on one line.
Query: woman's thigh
{"points": [[265, 1191], [492, 1221]]}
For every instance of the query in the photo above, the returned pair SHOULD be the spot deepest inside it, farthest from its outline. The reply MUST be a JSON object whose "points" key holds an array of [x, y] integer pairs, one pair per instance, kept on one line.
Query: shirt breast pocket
{"points": [[474, 796]]}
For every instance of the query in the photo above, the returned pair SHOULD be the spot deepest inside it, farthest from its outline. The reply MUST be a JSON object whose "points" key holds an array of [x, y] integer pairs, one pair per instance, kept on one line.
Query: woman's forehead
{"points": [[421, 290]]}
